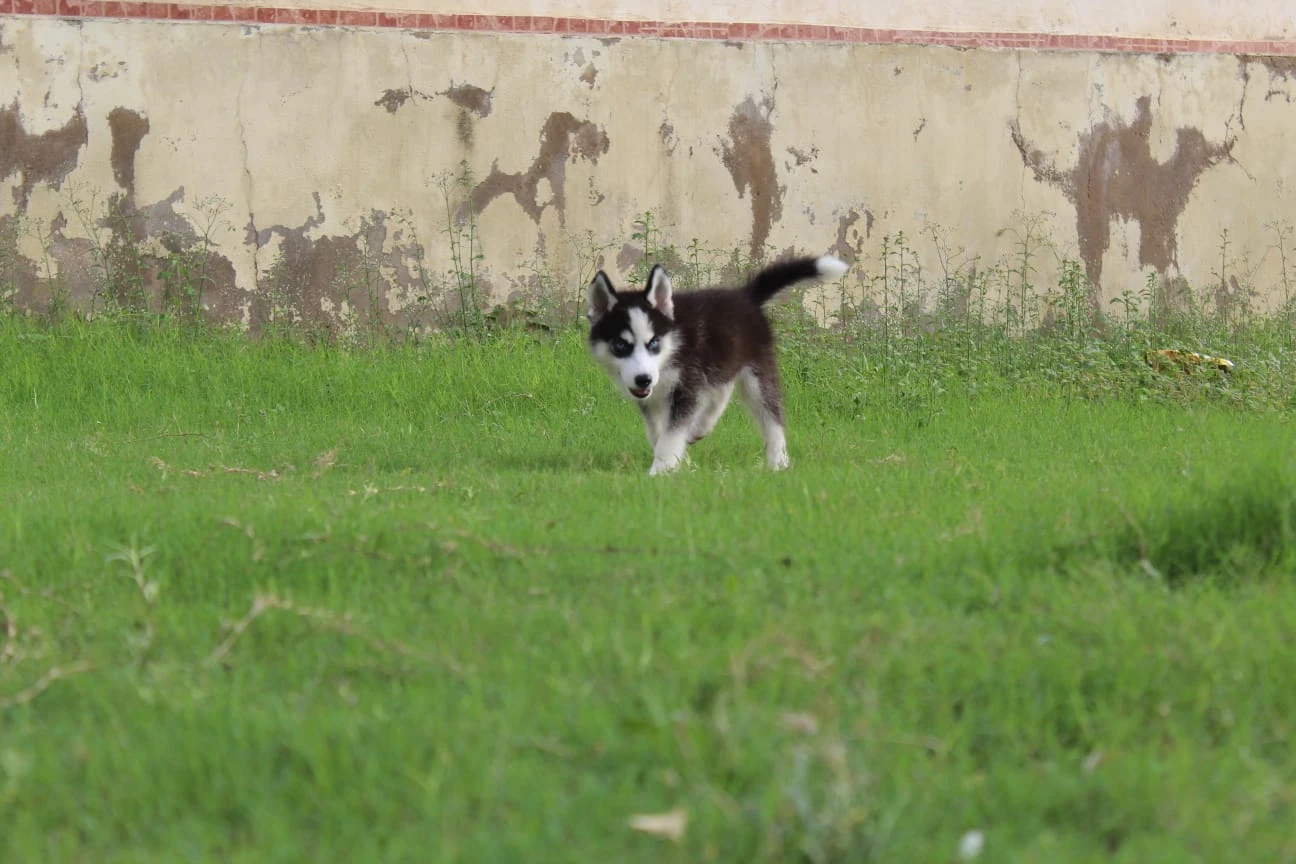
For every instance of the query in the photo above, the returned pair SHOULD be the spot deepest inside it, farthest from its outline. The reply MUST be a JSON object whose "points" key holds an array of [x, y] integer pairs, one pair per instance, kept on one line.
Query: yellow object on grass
{"points": [[1168, 359]]}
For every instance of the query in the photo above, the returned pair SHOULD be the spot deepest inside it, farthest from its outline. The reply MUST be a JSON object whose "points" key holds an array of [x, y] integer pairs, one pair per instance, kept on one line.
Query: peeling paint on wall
{"points": [[392, 100], [470, 97], [128, 129], [849, 245], [750, 161], [45, 158], [667, 134], [153, 251], [1282, 74], [1117, 176], [91, 117], [20, 282], [803, 157], [562, 138], [334, 280], [466, 96], [136, 254]]}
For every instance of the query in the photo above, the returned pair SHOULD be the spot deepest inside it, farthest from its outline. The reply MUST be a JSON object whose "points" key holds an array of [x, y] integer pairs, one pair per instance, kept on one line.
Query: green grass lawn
{"points": [[265, 602]]}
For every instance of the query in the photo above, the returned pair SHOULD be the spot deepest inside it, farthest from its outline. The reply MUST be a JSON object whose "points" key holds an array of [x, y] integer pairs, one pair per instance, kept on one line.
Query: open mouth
{"points": [[640, 392]]}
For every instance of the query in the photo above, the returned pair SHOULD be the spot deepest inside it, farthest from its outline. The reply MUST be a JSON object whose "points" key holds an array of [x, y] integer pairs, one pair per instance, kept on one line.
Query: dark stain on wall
{"points": [[132, 274], [1282, 74], [311, 274], [470, 98], [803, 157], [127, 266], [562, 138], [45, 158], [80, 276], [261, 236], [1279, 67], [185, 275], [750, 162], [628, 257], [667, 134], [222, 299], [1116, 176], [18, 274], [106, 69], [190, 271], [128, 129], [392, 100], [160, 220], [849, 245]]}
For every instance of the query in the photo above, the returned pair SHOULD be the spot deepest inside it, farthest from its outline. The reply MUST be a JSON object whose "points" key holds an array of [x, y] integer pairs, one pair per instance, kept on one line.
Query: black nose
{"points": [[642, 381]]}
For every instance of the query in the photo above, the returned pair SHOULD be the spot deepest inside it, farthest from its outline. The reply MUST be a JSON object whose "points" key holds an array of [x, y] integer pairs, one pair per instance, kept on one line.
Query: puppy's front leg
{"points": [[669, 450], [673, 439]]}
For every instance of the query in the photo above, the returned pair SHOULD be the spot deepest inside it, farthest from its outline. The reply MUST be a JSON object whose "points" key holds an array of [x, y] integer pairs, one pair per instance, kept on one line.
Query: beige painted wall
{"points": [[1199, 19], [324, 147]]}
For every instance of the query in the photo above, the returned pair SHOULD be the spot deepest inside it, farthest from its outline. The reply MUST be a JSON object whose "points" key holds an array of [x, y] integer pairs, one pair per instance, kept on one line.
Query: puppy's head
{"points": [[632, 333]]}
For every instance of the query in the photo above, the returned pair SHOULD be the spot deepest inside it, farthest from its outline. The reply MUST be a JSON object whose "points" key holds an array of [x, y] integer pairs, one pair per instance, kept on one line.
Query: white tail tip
{"points": [[830, 268]]}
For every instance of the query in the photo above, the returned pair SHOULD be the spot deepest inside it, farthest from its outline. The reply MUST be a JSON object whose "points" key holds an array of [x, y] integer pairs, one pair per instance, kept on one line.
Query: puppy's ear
{"points": [[659, 291], [602, 297]]}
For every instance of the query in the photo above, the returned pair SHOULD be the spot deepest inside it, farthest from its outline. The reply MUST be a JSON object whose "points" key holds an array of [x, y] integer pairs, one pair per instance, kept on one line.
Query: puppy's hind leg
{"points": [[759, 385]]}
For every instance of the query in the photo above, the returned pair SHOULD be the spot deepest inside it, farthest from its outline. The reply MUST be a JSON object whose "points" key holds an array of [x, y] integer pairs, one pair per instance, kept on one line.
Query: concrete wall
{"points": [[305, 170]]}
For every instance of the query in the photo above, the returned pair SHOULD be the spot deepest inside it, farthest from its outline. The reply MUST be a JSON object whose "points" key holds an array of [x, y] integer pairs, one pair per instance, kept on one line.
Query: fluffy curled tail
{"points": [[776, 277]]}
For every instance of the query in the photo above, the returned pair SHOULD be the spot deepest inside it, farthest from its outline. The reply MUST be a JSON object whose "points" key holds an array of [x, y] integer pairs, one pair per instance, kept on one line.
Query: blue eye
{"points": [[655, 345], [621, 348]]}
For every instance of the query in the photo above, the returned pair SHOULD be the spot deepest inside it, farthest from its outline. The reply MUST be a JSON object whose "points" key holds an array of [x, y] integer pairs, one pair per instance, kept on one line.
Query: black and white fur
{"points": [[679, 357]]}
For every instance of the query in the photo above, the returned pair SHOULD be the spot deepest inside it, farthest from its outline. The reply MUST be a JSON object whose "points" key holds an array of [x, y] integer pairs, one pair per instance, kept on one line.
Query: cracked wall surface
{"points": [[334, 175]]}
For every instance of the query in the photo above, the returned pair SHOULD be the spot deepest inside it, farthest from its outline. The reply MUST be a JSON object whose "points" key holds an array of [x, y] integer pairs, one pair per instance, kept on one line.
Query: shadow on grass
{"points": [[1240, 528]]}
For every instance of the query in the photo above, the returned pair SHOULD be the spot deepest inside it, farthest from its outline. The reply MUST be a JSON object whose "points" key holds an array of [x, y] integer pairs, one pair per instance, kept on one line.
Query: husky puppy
{"points": [[679, 357]]}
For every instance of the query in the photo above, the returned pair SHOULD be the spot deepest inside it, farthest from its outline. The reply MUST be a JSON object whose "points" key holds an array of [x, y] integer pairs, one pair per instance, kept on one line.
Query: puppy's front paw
{"points": [[659, 467], [670, 452], [667, 464]]}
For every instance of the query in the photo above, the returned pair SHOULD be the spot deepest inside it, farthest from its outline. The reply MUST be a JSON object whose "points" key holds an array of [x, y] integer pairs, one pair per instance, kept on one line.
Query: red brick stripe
{"points": [[712, 30]]}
